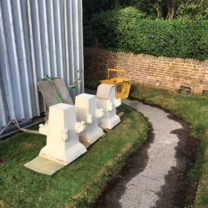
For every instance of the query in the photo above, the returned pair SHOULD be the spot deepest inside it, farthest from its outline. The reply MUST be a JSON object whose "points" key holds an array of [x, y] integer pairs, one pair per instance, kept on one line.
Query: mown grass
{"points": [[78, 184], [194, 109]]}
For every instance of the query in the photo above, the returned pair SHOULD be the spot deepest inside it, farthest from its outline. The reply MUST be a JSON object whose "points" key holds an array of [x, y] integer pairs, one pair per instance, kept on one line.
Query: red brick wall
{"points": [[169, 73]]}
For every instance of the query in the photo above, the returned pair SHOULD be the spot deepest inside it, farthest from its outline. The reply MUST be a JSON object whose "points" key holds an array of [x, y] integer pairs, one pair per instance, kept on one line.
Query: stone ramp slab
{"points": [[44, 166]]}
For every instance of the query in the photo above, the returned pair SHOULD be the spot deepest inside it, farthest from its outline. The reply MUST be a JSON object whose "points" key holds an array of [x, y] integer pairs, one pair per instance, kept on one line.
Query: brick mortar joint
{"points": [[162, 59]]}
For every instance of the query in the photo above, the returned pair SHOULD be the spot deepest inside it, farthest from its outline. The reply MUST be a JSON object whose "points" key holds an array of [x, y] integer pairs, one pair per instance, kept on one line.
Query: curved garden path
{"points": [[141, 184], [141, 191]]}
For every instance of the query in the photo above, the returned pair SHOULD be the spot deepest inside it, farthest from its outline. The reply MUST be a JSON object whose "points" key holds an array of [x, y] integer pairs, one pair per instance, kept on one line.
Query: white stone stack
{"points": [[62, 131], [70, 129], [86, 109], [106, 99]]}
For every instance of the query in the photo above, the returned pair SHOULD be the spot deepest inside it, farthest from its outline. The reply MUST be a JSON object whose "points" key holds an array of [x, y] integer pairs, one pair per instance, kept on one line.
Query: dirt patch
{"points": [[135, 164]]}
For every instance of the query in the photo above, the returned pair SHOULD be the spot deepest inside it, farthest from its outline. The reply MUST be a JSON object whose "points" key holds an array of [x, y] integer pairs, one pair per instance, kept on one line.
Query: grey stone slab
{"points": [[48, 94], [63, 90]]}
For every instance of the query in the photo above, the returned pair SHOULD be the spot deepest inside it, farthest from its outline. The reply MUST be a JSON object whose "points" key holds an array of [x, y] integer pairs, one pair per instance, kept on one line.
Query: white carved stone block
{"points": [[62, 130], [86, 109], [106, 99]]}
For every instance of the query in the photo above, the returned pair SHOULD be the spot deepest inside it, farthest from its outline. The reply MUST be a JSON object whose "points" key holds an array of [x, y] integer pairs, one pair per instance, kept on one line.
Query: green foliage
{"points": [[146, 6], [129, 30], [204, 15], [91, 7], [153, 8], [193, 9], [162, 9]]}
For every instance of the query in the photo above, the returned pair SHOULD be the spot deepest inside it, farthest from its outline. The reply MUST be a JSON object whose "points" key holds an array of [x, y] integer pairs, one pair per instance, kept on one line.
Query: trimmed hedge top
{"points": [[127, 30]]}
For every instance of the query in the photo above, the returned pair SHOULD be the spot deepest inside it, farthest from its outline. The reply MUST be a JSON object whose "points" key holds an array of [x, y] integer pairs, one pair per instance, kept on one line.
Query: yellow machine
{"points": [[122, 84]]}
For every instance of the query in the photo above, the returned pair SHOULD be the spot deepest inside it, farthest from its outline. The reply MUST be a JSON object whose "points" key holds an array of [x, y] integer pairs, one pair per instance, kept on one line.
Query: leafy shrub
{"points": [[128, 30], [193, 9]]}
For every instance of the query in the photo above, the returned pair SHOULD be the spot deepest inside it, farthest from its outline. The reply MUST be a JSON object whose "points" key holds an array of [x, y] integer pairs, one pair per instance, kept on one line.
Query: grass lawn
{"points": [[78, 184], [193, 109]]}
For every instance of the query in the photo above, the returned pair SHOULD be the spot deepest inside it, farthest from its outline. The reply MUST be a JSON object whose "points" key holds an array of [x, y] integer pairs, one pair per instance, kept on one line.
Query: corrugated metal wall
{"points": [[37, 38]]}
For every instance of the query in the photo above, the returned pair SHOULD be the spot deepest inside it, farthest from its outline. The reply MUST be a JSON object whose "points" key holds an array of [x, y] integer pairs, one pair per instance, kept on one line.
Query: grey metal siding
{"points": [[37, 38]]}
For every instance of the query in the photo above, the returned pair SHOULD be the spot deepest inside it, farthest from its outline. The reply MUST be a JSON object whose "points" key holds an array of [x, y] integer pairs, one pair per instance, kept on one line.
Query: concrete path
{"points": [[141, 190]]}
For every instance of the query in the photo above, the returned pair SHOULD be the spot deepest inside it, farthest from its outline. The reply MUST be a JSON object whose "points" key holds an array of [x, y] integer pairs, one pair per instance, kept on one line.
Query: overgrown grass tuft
{"points": [[194, 109], [78, 184]]}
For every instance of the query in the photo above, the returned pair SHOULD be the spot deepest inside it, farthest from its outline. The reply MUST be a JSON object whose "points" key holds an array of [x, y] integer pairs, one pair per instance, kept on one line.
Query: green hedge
{"points": [[128, 30]]}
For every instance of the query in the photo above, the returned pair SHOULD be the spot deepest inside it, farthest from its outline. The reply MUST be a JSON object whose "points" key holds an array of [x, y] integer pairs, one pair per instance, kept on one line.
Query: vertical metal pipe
{"points": [[23, 70], [71, 41], [44, 37], [32, 56], [74, 32], [37, 39], [51, 31], [5, 68], [81, 45], [66, 41], [59, 39], [77, 51], [3, 120], [14, 64]]}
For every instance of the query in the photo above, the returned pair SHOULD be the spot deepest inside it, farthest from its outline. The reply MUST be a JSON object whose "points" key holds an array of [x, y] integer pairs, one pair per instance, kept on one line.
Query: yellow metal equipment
{"points": [[122, 84]]}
